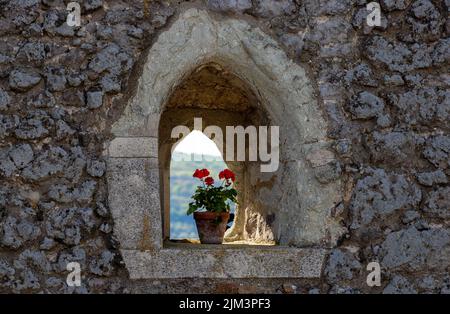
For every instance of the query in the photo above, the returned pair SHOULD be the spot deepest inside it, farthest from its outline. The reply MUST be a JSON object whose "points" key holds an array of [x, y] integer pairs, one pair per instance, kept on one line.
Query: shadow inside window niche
{"points": [[216, 97]]}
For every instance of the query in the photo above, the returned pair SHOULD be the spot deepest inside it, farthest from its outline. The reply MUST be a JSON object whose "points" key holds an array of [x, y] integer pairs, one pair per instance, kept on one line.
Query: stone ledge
{"points": [[256, 262]]}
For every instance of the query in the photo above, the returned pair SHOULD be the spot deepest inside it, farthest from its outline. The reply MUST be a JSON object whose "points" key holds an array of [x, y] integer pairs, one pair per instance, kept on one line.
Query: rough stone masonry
{"points": [[384, 91]]}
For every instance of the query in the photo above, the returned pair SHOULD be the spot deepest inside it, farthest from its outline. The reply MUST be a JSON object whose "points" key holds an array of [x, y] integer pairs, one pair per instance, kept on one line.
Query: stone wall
{"points": [[384, 91]]}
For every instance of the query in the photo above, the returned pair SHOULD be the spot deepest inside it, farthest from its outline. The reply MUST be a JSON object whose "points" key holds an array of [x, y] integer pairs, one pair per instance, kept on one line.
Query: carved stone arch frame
{"points": [[305, 226]]}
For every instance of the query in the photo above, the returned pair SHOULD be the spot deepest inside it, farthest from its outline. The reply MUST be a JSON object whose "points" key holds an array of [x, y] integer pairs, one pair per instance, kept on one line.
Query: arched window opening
{"points": [[217, 97], [195, 151]]}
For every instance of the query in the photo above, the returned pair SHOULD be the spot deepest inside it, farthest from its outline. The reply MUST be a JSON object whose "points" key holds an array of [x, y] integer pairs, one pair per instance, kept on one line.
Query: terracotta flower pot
{"points": [[211, 226]]}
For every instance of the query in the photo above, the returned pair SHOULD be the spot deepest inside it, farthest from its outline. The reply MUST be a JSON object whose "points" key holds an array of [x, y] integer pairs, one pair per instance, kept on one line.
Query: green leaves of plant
{"points": [[212, 198], [192, 208]]}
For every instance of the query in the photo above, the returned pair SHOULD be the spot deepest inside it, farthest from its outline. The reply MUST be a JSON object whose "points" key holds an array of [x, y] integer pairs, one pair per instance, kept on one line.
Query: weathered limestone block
{"points": [[134, 202], [133, 147]]}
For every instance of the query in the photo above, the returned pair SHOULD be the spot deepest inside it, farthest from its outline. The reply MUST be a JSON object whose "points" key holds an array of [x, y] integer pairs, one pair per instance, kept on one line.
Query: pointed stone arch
{"points": [[305, 195]]}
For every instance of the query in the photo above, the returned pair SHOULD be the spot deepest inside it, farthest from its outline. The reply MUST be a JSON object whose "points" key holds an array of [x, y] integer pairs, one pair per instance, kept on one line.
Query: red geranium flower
{"points": [[227, 174], [209, 181], [201, 173], [196, 174]]}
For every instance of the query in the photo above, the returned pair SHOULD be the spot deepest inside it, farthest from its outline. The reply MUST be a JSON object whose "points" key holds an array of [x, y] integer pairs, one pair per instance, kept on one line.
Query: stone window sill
{"points": [[194, 243], [224, 261]]}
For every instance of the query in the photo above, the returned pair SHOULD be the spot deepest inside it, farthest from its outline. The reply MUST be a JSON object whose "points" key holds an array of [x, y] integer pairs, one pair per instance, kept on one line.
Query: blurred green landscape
{"points": [[183, 185]]}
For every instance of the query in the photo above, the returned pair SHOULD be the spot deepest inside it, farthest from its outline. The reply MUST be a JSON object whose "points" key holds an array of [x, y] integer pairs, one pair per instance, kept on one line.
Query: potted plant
{"points": [[211, 205]]}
